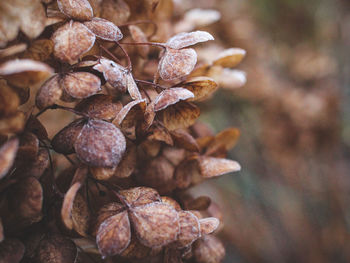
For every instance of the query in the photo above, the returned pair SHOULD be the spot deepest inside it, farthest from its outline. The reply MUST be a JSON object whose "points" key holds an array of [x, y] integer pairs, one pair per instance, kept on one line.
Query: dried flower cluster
{"points": [[135, 145]]}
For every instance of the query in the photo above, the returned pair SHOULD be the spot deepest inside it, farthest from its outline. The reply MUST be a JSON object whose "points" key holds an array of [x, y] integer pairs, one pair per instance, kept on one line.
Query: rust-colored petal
{"points": [[7, 156], [185, 39], [114, 235], [175, 63], [230, 58], [223, 141], [128, 163], [104, 29], [211, 166], [81, 85], [138, 196], [116, 11], [189, 229], [100, 144], [49, 93], [183, 139], [71, 41], [76, 9], [200, 203], [201, 87], [171, 96], [209, 225], [9, 100], [156, 224]]}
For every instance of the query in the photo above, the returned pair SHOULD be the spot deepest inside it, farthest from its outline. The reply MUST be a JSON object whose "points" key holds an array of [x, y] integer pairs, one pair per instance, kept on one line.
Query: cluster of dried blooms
{"points": [[134, 146]]}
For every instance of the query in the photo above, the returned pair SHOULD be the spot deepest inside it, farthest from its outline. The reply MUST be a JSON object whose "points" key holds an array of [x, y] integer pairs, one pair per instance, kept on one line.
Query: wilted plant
{"points": [[134, 148]]}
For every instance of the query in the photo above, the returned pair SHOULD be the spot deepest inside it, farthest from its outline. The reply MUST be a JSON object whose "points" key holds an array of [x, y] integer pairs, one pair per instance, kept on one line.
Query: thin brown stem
{"points": [[126, 55], [155, 26], [56, 106], [145, 43], [110, 53]]}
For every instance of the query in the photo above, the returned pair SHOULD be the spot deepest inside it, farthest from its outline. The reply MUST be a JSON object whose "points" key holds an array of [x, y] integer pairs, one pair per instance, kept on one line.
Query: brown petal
{"points": [[71, 41], [23, 93], [208, 249], [12, 124], [64, 140], [132, 87], [161, 134], [184, 39], [25, 72], [101, 173], [225, 140], [100, 144], [130, 114], [105, 212], [100, 106], [136, 250], [201, 87], [171, 96], [114, 235], [189, 229], [56, 248], [33, 19], [183, 139], [9, 100], [138, 36], [179, 116], [7, 156], [77, 9], [211, 166], [49, 93], [209, 225], [138, 196], [128, 163], [230, 58], [170, 201], [67, 206], [38, 167], [156, 224], [114, 74], [104, 29], [81, 85], [177, 63], [186, 172], [11, 250], [80, 215], [40, 50], [28, 148], [116, 11]]}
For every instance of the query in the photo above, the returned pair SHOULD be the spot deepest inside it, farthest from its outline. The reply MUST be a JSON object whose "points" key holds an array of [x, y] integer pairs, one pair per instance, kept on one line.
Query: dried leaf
{"points": [[23, 93], [77, 9], [64, 140], [185, 172], [12, 124], [170, 201], [201, 87], [175, 63], [80, 215], [49, 93], [11, 250], [81, 85], [55, 248], [171, 96], [116, 11], [105, 212], [104, 29], [7, 156], [189, 229], [161, 134], [114, 235], [67, 206], [183, 139], [139, 36], [228, 78], [208, 225], [100, 144], [225, 140], [179, 116], [12, 50], [185, 39], [208, 249], [130, 114], [136, 250], [32, 19], [71, 41], [138, 196], [128, 163], [38, 167], [28, 148], [40, 50], [132, 87], [155, 224], [9, 100], [211, 166], [230, 58]]}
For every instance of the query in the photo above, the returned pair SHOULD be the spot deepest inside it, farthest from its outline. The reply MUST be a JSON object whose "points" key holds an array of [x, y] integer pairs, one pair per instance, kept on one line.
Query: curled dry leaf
{"points": [[24, 72], [175, 63], [183, 139], [55, 248], [130, 114], [201, 87], [224, 140], [114, 235], [64, 140], [139, 36], [155, 224], [184, 39], [179, 116], [100, 144], [104, 29], [208, 249], [171, 96], [211, 166], [208, 225], [7, 156], [230, 58], [11, 250], [49, 93], [71, 41], [81, 85], [77, 9], [138, 196]]}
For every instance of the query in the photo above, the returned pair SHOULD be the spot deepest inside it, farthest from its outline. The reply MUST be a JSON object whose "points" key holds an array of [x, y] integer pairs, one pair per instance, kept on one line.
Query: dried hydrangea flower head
{"points": [[110, 184]]}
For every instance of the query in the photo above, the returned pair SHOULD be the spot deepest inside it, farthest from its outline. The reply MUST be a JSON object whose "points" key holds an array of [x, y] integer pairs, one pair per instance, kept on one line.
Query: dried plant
{"points": [[133, 149]]}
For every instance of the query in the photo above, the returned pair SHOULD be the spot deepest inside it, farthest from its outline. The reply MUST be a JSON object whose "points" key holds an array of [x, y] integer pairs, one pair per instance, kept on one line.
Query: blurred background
{"points": [[291, 201]]}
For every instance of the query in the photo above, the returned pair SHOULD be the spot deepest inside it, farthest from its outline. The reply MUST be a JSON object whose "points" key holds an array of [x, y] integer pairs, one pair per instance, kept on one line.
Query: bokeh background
{"points": [[291, 201]]}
